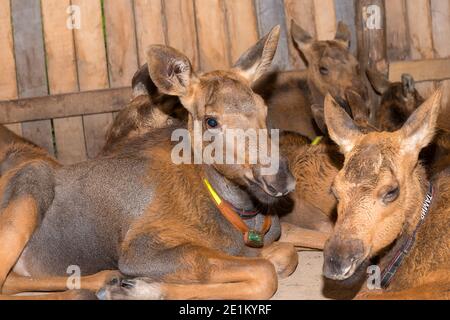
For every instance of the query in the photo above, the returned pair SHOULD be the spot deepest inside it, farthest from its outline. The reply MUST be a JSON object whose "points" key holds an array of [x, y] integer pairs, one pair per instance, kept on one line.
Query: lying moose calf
{"points": [[171, 230]]}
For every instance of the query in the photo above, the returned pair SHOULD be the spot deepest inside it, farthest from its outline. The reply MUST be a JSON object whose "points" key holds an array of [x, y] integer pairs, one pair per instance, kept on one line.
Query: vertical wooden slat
{"points": [[59, 47], [302, 11], [62, 78], [8, 83], [149, 25], [242, 26], [441, 30], [269, 14], [345, 12], [325, 19], [68, 140], [30, 65], [96, 128], [90, 47], [212, 35], [92, 64], [371, 42], [420, 36], [121, 42], [181, 29], [397, 41]]}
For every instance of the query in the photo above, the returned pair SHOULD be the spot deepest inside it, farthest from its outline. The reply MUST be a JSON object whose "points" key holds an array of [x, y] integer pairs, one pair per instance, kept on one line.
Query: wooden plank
{"points": [[30, 65], [149, 25], [90, 47], [15, 127], [269, 14], [242, 26], [420, 36], [65, 105], [302, 12], [121, 42], [70, 145], [29, 48], [345, 12], [371, 40], [212, 35], [397, 40], [421, 70], [181, 29], [39, 132], [95, 128], [8, 83], [92, 63], [325, 19], [441, 29], [59, 47], [303, 238]]}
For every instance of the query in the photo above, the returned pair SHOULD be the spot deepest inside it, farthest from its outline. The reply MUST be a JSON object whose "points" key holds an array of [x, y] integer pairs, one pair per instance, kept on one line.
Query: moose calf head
{"points": [[377, 188], [219, 102], [398, 102], [331, 67]]}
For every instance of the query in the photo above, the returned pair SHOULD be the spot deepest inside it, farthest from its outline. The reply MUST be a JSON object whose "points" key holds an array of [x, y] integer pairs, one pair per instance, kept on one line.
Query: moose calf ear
{"points": [[343, 34], [378, 81], [341, 127], [170, 70], [257, 60], [419, 129], [319, 117], [408, 84], [301, 37], [360, 111]]}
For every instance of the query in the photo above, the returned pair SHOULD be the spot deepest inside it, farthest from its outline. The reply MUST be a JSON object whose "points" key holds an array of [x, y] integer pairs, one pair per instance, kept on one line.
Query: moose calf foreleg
{"points": [[283, 256]]}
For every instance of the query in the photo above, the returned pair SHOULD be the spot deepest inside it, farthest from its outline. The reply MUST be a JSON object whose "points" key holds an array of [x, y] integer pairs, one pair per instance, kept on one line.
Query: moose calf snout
{"points": [[342, 257], [281, 183]]}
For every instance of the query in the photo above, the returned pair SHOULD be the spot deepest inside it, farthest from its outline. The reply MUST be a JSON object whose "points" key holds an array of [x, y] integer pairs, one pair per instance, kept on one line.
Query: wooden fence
{"points": [[61, 86]]}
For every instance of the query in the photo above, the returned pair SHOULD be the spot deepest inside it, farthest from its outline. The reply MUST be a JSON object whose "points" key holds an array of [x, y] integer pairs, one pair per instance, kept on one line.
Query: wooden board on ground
{"points": [[397, 41], [41, 133], [325, 19]]}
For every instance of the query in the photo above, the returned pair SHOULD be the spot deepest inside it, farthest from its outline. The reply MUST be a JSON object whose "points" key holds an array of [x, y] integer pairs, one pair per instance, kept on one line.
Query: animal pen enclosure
{"points": [[66, 65]]}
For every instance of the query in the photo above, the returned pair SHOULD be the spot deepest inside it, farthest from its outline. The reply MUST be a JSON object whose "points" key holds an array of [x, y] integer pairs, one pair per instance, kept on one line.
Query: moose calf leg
{"points": [[202, 274], [16, 284], [283, 256], [17, 224]]}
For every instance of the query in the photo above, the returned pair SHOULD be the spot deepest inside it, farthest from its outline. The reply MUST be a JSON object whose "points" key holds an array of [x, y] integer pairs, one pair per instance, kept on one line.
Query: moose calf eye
{"points": [[391, 195], [211, 122], [324, 71]]}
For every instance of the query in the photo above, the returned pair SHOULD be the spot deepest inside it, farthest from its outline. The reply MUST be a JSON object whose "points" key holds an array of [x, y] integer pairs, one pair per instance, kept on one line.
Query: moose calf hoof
{"points": [[283, 256], [130, 289]]}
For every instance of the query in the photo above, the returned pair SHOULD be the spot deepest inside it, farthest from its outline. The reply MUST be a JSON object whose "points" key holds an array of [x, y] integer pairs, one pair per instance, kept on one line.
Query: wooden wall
{"points": [[61, 87]]}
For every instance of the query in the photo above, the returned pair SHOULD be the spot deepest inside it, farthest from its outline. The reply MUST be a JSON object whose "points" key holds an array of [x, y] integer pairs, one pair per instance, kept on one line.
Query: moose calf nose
{"points": [[341, 258]]}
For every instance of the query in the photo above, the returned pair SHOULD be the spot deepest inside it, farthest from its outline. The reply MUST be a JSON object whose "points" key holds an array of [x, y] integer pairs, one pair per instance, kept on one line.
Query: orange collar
{"points": [[252, 238]]}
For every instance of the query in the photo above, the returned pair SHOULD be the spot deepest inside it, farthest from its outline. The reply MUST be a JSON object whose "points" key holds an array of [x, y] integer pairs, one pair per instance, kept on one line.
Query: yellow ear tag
{"points": [[213, 193], [316, 141]]}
